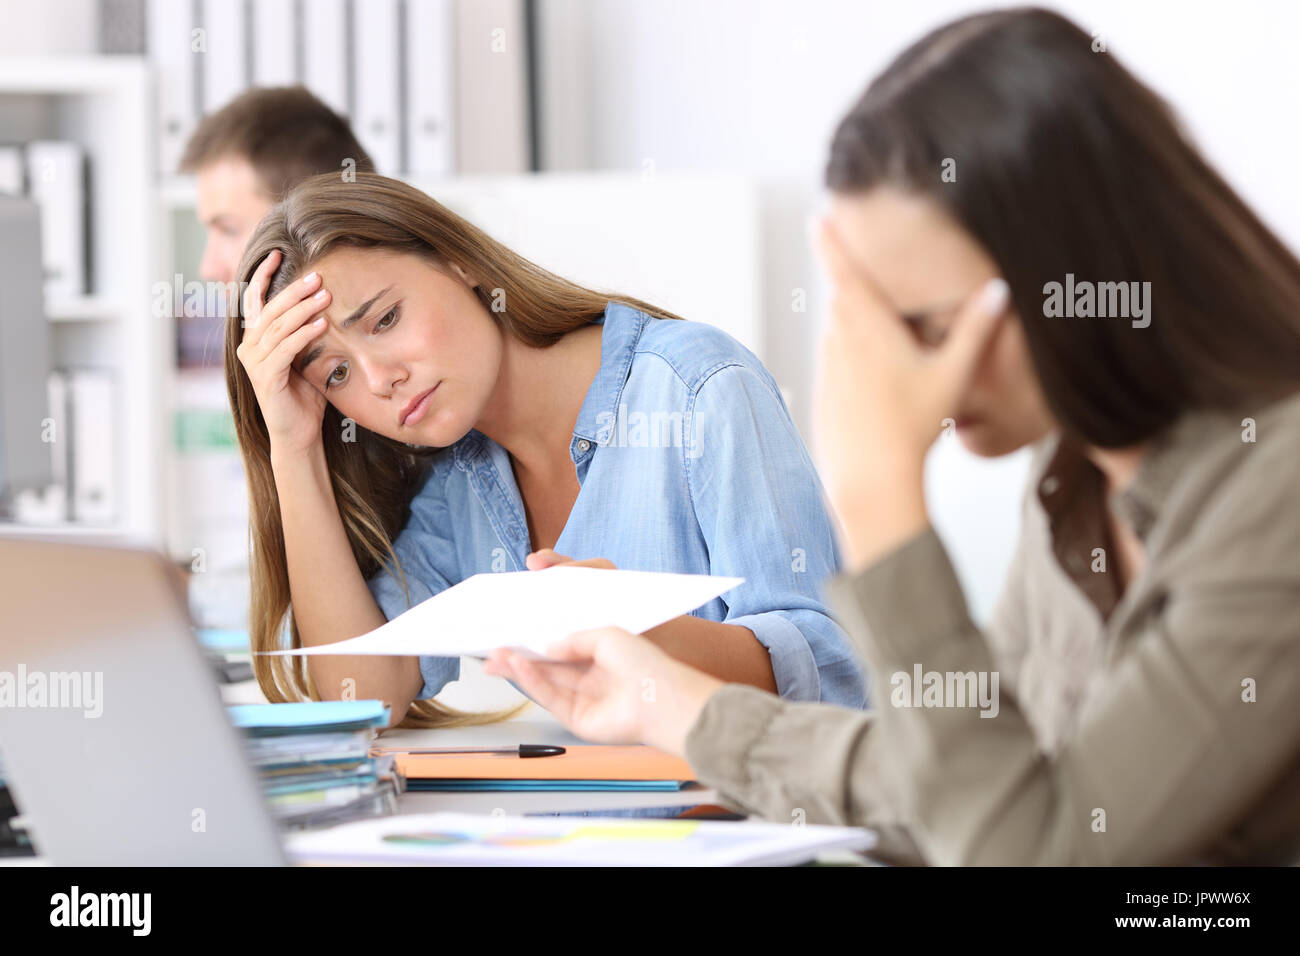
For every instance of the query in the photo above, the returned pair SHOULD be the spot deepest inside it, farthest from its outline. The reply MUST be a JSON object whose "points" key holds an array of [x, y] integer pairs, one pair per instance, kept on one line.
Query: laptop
{"points": [[115, 738]]}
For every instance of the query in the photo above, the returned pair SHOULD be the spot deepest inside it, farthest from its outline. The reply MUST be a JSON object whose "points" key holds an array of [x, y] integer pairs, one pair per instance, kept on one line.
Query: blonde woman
{"points": [[415, 404]]}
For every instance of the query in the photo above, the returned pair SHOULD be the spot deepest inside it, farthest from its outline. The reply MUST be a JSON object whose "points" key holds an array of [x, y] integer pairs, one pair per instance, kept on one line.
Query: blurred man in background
{"points": [[246, 156]]}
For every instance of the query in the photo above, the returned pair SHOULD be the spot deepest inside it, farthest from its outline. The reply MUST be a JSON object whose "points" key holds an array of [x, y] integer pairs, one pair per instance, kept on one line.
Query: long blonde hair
{"points": [[374, 477]]}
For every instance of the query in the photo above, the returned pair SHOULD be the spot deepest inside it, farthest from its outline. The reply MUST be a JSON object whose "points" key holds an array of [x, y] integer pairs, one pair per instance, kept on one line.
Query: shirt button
{"points": [[1050, 484], [583, 445]]}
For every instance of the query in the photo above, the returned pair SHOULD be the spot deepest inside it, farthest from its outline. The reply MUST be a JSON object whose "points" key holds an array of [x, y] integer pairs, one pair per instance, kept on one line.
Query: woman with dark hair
{"points": [[416, 403], [1025, 248]]}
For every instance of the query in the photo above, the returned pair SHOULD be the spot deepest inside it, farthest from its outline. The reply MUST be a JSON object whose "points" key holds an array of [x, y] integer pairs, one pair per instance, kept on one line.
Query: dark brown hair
{"points": [[1065, 163], [285, 133], [374, 477]]}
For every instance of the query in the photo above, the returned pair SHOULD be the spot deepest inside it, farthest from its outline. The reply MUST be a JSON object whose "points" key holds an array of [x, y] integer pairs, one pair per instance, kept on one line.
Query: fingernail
{"points": [[994, 297], [309, 278]]}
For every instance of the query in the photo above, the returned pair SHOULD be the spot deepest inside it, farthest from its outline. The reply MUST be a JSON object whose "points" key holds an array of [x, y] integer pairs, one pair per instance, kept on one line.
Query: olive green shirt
{"points": [[1157, 723]]}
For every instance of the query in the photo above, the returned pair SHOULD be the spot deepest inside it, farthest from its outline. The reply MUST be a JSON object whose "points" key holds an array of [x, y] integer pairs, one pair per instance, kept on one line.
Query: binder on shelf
{"points": [[60, 413], [171, 48], [57, 497], [491, 87], [56, 175], [275, 43], [377, 123], [325, 52], [225, 60], [49, 505], [430, 88], [390, 67], [94, 446]]}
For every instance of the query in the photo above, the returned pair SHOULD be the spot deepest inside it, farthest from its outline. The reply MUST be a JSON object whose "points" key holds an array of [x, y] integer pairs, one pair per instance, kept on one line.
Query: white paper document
{"points": [[531, 610], [463, 839]]}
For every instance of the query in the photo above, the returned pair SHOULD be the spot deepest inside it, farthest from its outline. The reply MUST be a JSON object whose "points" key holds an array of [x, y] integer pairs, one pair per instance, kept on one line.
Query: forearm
{"points": [[331, 601], [882, 509], [726, 651]]}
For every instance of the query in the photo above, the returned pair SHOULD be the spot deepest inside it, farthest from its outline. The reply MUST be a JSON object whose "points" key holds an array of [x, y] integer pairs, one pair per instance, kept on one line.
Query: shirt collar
{"points": [[618, 341], [1167, 456]]}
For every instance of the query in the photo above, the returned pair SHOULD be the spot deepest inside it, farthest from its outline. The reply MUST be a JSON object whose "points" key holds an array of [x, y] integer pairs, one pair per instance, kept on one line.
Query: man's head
{"points": [[246, 156]]}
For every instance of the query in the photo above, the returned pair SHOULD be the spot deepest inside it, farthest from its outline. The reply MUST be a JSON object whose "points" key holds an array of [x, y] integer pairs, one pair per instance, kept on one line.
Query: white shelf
{"points": [[70, 75], [104, 103], [87, 308], [70, 529]]}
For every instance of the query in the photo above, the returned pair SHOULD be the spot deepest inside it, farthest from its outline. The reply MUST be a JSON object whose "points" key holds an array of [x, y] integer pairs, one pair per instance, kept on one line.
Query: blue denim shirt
{"points": [[689, 462]]}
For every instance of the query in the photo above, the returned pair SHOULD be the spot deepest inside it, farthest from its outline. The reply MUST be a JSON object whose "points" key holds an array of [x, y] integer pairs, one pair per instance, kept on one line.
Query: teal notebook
{"points": [[308, 717]]}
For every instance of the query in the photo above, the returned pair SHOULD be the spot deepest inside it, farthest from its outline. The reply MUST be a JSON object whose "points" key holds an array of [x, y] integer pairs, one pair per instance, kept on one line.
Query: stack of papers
{"points": [[458, 839], [314, 760]]}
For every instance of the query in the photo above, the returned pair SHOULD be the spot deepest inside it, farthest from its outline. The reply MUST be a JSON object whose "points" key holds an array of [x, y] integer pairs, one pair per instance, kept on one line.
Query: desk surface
{"points": [[532, 726]]}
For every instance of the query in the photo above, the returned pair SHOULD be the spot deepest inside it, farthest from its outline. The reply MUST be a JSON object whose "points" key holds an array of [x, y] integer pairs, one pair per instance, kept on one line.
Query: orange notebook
{"points": [[597, 766]]}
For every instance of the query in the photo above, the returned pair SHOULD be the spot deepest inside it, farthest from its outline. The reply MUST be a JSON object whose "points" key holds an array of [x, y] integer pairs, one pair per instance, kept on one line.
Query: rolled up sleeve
{"points": [[789, 637], [759, 505]]}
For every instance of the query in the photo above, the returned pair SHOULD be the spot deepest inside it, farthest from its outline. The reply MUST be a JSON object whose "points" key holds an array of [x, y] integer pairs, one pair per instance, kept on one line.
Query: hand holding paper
{"points": [[531, 610]]}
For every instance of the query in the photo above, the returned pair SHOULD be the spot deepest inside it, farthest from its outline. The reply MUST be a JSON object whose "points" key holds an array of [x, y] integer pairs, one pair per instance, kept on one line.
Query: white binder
{"points": [[430, 88], [275, 43], [325, 52], [57, 181], [377, 122], [94, 446], [225, 64], [170, 46], [491, 88]]}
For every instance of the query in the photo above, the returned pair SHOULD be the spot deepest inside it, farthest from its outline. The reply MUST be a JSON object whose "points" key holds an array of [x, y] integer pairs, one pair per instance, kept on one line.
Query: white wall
{"points": [[755, 87]]}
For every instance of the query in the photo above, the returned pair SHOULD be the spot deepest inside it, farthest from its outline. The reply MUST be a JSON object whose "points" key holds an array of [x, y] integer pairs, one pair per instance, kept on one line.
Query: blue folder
{"points": [[308, 717]]}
